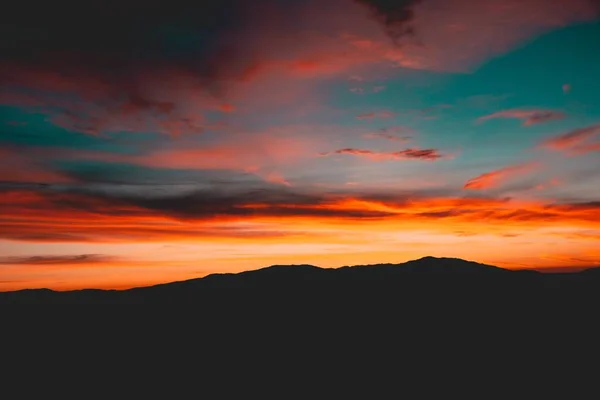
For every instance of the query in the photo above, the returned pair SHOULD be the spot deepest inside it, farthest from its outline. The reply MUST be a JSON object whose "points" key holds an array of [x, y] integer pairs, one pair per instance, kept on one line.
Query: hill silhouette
{"points": [[426, 281], [301, 326]]}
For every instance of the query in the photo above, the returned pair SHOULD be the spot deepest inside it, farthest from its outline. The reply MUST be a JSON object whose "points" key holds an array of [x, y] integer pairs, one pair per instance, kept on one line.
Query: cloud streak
{"points": [[406, 154], [69, 216], [529, 117], [493, 179], [576, 141], [82, 259], [392, 134]]}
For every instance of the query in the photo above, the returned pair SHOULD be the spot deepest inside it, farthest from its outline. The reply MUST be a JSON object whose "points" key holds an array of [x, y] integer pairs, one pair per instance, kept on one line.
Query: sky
{"points": [[158, 142]]}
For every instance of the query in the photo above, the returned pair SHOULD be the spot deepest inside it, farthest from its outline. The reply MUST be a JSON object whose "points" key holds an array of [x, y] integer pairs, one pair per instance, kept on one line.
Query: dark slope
{"points": [[423, 282]]}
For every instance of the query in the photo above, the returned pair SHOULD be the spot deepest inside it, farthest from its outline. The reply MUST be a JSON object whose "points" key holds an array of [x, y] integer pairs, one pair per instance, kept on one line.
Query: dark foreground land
{"points": [[429, 328]]}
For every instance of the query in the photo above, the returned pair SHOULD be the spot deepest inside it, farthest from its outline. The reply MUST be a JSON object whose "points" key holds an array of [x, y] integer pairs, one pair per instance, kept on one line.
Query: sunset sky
{"points": [[162, 142]]}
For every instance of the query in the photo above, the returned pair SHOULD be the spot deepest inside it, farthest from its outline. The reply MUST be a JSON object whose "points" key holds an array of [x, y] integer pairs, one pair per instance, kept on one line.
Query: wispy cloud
{"points": [[388, 136], [576, 141], [59, 216], [498, 177], [392, 133], [529, 117], [57, 260], [406, 154]]}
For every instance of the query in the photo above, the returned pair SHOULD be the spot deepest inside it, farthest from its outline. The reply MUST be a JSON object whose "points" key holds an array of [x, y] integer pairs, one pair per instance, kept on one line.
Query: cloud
{"points": [[64, 214], [575, 141], [459, 35], [496, 178], [376, 114], [93, 79], [17, 165], [406, 154], [162, 70], [391, 133], [388, 136], [394, 15], [57, 260], [586, 148], [529, 117]]}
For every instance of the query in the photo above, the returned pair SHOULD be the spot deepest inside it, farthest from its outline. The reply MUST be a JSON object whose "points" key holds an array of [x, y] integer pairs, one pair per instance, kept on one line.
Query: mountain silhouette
{"points": [[426, 281], [375, 326]]}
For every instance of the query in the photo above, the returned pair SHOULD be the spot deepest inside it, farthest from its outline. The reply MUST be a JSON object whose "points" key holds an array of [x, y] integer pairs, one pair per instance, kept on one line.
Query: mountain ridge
{"points": [[435, 275]]}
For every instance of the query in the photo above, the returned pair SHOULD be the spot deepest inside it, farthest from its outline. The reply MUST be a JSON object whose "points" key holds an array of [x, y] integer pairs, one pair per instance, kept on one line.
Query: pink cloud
{"points": [[498, 177], [254, 151], [529, 117], [458, 35], [19, 166], [586, 148], [279, 56], [275, 177], [575, 141]]}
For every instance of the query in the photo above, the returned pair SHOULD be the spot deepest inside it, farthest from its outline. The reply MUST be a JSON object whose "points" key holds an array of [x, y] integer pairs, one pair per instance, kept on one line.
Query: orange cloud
{"points": [[327, 230], [69, 217], [82, 259], [496, 178]]}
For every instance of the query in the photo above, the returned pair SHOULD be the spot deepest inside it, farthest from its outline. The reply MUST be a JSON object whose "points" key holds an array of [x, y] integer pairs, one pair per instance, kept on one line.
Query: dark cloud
{"points": [[98, 172], [394, 15], [57, 260], [262, 202], [423, 154], [392, 133], [139, 66], [107, 67], [215, 202], [101, 34], [71, 214]]}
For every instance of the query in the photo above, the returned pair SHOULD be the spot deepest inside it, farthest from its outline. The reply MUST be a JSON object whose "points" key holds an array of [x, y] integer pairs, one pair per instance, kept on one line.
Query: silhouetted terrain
{"points": [[304, 327], [428, 282]]}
